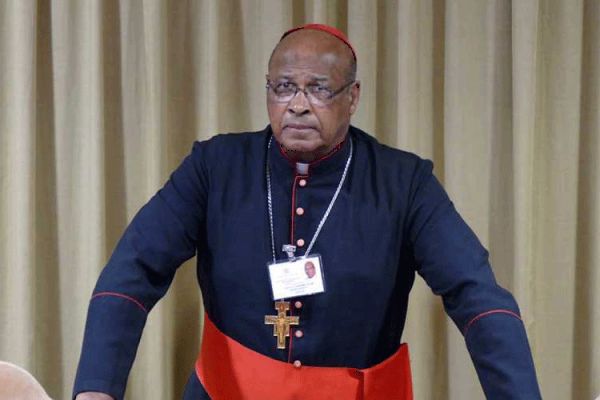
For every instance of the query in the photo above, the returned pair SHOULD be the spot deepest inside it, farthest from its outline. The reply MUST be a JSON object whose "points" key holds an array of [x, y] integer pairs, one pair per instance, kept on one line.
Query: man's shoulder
{"points": [[229, 147], [387, 155], [235, 139], [398, 168]]}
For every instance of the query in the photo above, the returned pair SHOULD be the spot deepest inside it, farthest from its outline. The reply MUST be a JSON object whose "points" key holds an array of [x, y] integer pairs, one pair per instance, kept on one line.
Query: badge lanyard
{"points": [[288, 248]]}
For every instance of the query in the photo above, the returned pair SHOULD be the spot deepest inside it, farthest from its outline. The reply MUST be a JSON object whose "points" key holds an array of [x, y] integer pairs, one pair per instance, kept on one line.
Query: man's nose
{"points": [[299, 104]]}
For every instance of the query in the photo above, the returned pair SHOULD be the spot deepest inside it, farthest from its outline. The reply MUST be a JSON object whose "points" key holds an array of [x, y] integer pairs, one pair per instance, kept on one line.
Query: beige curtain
{"points": [[101, 99]]}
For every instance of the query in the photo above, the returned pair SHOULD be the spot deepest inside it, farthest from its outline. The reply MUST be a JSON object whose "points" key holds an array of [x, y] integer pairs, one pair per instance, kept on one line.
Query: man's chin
{"points": [[295, 147], [298, 142], [299, 134]]}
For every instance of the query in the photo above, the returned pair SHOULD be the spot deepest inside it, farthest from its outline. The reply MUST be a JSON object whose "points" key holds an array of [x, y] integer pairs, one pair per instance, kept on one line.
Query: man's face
{"points": [[311, 58], [309, 268]]}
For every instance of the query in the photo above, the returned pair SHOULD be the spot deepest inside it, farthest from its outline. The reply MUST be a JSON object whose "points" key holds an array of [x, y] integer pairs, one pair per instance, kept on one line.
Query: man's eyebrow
{"points": [[284, 77], [316, 78]]}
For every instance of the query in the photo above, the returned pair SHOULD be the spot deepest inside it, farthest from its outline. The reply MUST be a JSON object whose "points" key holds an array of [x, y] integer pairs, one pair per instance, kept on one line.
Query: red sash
{"points": [[230, 371]]}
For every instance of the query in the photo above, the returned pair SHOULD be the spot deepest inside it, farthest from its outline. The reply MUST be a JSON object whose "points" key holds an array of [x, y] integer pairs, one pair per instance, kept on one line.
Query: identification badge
{"points": [[298, 277]]}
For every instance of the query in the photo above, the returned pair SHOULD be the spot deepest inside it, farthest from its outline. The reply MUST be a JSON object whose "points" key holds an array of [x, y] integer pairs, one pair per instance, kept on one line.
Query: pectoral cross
{"points": [[281, 322]]}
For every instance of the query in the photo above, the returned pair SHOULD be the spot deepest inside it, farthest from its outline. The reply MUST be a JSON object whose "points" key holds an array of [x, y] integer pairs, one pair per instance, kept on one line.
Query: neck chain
{"points": [[325, 216]]}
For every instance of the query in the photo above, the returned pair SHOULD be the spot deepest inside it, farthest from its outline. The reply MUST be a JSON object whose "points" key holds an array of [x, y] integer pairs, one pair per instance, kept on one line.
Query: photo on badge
{"points": [[298, 277]]}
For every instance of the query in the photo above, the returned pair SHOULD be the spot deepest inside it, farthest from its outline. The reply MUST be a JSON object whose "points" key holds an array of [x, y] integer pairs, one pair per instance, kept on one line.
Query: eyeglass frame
{"points": [[308, 95]]}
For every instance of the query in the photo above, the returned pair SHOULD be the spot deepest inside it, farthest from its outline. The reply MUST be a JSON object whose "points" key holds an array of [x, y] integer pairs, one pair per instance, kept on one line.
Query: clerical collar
{"points": [[331, 161], [318, 160], [302, 168]]}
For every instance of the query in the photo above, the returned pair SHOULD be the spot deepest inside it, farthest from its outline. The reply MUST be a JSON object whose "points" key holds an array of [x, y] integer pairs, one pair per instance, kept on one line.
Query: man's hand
{"points": [[93, 396]]}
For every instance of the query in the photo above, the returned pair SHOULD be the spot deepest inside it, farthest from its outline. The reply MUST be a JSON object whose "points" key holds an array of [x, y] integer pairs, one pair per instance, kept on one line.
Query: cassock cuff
{"points": [[112, 333], [497, 343], [112, 389]]}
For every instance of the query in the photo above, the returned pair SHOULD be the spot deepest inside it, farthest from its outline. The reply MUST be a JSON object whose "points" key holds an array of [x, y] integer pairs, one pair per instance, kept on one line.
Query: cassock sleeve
{"points": [[455, 265], [159, 239]]}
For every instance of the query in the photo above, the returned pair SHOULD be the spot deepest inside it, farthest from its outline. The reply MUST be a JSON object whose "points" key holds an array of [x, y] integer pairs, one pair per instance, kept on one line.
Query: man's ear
{"points": [[354, 97]]}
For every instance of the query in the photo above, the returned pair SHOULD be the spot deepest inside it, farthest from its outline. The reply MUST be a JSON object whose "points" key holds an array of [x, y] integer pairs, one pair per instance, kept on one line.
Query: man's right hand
{"points": [[93, 396]]}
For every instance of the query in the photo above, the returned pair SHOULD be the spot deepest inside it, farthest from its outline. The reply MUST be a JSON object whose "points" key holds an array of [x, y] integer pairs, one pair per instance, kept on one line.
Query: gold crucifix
{"points": [[281, 322]]}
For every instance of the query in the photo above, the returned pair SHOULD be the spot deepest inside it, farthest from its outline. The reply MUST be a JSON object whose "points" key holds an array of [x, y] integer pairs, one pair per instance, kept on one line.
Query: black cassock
{"points": [[392, 218]]}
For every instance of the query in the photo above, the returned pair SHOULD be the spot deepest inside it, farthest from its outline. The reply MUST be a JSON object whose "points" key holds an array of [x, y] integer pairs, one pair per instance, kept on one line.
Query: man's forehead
{"points": [[293, 74], [306, 73], [295, 59]]}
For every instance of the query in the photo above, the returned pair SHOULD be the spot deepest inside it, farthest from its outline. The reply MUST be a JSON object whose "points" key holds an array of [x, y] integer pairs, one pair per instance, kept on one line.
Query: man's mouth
{"points": [[298, 127]]}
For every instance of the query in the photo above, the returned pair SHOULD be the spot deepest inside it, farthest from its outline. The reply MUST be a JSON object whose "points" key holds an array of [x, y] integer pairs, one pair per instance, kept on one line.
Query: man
{"points": [[371, 215], [309, 268]]}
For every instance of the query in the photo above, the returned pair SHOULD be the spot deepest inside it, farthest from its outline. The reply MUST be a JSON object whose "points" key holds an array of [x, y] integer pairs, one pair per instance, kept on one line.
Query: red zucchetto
{"points": [[327, 29]]}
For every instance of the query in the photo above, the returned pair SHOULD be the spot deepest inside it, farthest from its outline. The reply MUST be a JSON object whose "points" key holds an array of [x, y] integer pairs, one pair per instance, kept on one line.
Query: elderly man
{"points": [[256, 207]]}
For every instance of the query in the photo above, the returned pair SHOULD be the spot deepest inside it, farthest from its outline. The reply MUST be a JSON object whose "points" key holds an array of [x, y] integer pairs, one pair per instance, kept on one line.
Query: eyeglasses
{"points": [[317, 94]]}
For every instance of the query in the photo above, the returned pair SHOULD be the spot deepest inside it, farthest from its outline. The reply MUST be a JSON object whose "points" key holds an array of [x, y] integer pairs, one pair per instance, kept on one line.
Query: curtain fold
{"points": [[100, 100]]}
